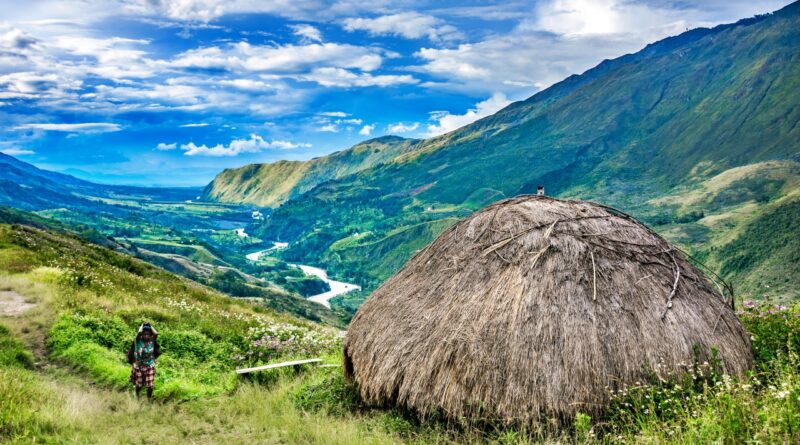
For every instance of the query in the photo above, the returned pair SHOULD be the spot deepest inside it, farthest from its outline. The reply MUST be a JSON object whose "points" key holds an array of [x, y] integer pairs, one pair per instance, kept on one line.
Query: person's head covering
{"points": [[147, 327]]}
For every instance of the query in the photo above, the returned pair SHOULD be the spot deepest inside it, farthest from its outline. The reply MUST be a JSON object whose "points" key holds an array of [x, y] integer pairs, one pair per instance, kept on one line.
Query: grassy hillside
{"points": [[741, 223], [70, 308], [657, 123], [272, 184]]}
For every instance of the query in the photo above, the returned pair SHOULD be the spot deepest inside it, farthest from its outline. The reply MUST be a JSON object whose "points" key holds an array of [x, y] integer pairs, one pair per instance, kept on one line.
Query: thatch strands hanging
{"points": [[533, 307]]}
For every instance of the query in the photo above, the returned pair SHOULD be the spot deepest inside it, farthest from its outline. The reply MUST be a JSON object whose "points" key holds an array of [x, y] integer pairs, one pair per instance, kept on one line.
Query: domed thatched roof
{"points": [[533, 307]]}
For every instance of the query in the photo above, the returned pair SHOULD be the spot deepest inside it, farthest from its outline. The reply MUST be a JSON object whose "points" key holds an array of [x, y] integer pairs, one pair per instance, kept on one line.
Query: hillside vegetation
{"points": [[63, 376], [272, 184]]}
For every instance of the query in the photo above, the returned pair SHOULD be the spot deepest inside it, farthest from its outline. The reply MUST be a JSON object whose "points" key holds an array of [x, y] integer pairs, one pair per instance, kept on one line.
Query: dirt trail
{"points": [[13, 304]]}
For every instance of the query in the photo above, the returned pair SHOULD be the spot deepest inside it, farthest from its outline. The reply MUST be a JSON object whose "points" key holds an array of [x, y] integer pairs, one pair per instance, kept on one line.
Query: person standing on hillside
{"points": [[142, 356]]}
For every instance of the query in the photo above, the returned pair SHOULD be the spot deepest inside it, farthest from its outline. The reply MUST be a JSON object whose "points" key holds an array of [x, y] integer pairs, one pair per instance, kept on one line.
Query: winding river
{"points": [[337, 287]]}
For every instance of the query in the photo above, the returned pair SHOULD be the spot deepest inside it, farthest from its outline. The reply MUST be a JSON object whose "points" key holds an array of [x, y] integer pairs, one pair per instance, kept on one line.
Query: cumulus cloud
{"points": [[307, 33], [189, 10], [209, 10], [446, 122], [411, 25], [254, 144], [342, 78], [16, 39], [279, 59], [111, 58], [402, 128], [199, 94], [166, 147], [328, 128], [521, 61], [558, 38], [88, 127], [333, 114], [597, 17], [30, 85], [366, 130]]}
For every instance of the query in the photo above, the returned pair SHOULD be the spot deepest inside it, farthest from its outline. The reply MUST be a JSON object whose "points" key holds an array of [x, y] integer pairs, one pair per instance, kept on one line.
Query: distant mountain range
{"points": [[697, 134], [27, 187]]}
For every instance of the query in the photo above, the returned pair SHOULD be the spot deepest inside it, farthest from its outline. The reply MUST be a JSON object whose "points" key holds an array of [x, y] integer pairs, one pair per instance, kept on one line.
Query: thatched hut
{"points": [[534, 307]]}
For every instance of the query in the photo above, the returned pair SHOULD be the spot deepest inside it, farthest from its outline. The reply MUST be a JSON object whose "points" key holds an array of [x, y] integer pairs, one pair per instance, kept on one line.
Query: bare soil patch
{"points": [[13, 304]]}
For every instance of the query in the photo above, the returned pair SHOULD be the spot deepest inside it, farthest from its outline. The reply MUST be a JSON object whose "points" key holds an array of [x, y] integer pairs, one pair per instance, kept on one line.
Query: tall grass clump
{"points": [[701, 404], [12, 352]]}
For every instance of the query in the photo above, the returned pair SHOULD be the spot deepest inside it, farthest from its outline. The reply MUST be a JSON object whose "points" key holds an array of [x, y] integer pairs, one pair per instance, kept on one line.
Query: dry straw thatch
{"points": [[532, 308]]}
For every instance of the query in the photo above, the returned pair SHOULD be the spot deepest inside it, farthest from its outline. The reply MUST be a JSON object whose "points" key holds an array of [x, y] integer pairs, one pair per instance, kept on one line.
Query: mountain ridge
{"points": [[274, 183], [629, 130], [566, 86]]}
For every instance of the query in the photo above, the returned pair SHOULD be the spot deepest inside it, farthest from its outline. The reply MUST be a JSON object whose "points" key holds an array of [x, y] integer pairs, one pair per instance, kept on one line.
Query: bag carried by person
{"points": [[130, 353]]}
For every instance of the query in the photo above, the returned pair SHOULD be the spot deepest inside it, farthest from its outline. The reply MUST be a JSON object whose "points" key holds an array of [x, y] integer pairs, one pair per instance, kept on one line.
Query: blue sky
{"points": [[170, 92]]}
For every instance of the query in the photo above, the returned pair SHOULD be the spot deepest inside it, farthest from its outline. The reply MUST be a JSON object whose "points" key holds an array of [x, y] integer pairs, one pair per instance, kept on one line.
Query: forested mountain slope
{"points": [[273, 184], [665, 120]]}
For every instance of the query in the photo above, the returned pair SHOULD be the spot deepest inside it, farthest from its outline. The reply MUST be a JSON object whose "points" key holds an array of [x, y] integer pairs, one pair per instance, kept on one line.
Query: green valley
{"points": [[697, 134]]}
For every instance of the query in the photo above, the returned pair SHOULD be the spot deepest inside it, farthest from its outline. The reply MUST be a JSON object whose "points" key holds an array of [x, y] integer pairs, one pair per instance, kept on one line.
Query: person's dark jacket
{"points": [[156, 350]]}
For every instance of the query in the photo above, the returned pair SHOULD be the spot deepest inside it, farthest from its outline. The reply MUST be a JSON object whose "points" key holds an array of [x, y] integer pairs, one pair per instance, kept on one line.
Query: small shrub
{"points": [[582, 424], [107, 331], [187, 344], [12, 352], [332, 395], [775, 331]]}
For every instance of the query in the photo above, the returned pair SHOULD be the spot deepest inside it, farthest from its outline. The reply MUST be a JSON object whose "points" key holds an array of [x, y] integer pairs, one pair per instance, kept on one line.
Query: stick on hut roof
{"points": [[533, 307]]}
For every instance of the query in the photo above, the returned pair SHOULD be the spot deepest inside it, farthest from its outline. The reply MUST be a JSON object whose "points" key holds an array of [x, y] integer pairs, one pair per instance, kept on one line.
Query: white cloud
{"points": [[111, 58], [402, 128], [282, 59], [342, 78], [165, 147], [89, 127], [17, 151], [520, 63], [237, 146], [308, 33], [16, 39], [189, 10], [328, 128], [366, 130], [453, 62], [411, 25], [201, 124], [559, 38], [597, 17], [248, 84], [446, 122], [197, 94], [209, 10], [333, 114]]}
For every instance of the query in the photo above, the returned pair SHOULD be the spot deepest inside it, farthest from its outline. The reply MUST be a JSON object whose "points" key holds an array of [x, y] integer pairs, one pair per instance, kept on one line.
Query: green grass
{"points": [[88, 304], [12, 352]]}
